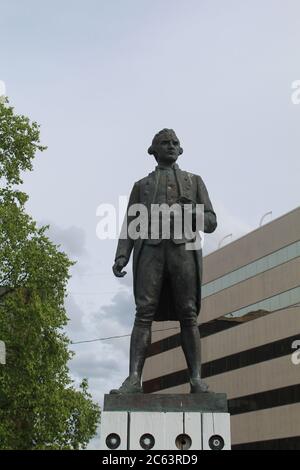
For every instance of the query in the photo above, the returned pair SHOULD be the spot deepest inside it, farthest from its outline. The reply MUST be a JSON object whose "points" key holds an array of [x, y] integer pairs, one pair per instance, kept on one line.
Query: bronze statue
{"points": [[167, 276]]}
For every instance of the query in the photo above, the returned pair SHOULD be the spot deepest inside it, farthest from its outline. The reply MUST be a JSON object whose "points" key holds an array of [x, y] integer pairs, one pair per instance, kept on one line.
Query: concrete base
{"points": [[209, 401], [165, 422]]}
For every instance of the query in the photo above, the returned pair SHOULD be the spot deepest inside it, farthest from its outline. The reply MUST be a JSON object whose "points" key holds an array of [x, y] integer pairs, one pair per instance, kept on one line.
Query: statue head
{"points": [[165, 146]]}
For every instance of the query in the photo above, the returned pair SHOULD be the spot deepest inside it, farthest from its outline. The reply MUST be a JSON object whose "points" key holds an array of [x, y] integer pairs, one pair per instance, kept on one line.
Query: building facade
{"points": [[250, 325]]}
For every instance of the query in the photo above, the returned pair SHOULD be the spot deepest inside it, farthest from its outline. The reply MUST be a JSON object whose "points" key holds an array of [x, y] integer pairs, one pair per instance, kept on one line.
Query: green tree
{"points": [[39, 405]]}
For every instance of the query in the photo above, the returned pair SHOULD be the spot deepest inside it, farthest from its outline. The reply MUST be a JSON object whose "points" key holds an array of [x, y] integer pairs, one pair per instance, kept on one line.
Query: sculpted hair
{"points": [[157, 137]]}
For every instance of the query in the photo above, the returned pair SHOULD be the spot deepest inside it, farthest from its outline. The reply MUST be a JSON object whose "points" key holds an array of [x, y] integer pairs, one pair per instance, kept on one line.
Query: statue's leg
{"points": [[183, 276], [190, 341], [147, 292], [139, 344]]}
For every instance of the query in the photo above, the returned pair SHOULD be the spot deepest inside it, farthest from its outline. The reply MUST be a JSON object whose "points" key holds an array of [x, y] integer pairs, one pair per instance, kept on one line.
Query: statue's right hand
{"points": [[118, 266]]}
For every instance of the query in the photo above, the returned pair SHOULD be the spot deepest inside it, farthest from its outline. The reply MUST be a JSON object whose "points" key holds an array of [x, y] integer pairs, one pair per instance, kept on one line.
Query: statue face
{"points": [[167, 149]]}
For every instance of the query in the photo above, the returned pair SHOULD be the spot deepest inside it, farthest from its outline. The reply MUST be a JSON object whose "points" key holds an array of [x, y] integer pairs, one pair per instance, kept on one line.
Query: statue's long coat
{"points": [[144, 192]]}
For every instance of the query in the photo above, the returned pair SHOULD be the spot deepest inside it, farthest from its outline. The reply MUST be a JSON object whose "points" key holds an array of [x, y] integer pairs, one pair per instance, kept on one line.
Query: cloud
{"points": [[103, 362], [121, 310], [75, 315], [71, 239], [97, 360]]}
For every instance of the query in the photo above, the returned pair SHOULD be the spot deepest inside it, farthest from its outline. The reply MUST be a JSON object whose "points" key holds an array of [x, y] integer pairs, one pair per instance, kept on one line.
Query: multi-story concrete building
{"points": [[249, 324]]}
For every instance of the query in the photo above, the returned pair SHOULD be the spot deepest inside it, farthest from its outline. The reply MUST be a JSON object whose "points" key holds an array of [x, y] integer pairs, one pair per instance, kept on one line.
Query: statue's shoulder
{"points": [[145, 179]]}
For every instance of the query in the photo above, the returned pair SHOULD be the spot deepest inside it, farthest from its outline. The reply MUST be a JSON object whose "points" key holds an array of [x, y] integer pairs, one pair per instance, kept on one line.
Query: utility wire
{"points": [[120, 336], [165, 329]]}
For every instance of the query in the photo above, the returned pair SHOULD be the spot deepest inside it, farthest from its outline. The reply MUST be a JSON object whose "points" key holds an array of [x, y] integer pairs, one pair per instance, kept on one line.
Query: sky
{"points": [[101, 78]]}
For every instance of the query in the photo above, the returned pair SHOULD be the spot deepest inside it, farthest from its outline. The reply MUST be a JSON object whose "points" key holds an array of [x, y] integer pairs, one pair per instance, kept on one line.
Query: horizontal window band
{"points": [[250, 270], [287, 299], [252, 356], [265, 400], [166, 381], [266, 352], [287, 443]]}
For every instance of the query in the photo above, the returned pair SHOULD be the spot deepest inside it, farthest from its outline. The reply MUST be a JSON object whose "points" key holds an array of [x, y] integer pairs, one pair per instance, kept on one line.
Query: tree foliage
{"points": [[39, 406]]}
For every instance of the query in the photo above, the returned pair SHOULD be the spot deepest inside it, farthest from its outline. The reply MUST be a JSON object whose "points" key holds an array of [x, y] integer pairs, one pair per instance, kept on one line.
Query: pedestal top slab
{"points": [[198, 402]]}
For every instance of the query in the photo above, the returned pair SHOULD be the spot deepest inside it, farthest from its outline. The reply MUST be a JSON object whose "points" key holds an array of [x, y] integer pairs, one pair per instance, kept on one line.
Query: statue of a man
{"points": [[167, 276]]}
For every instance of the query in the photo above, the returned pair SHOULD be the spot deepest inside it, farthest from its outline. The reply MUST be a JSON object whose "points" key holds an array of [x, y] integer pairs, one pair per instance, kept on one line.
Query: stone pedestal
{"points": [[165, 422]]}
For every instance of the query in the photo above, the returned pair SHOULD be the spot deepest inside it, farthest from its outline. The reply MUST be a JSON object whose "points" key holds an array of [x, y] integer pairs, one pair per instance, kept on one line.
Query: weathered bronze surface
{"points": [[167, 277]]}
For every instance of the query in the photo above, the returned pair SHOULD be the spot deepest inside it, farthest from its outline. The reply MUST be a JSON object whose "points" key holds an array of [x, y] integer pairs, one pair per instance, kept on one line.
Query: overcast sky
{"points": [[101, 77]]}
